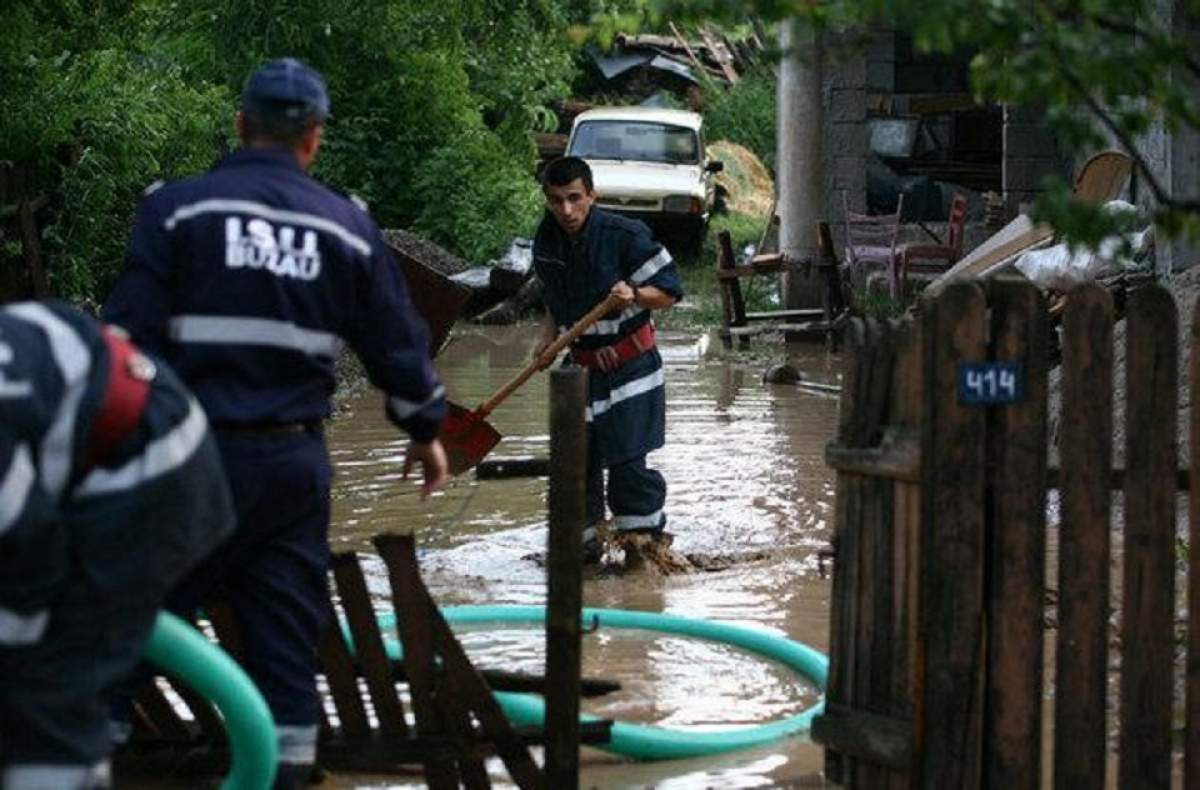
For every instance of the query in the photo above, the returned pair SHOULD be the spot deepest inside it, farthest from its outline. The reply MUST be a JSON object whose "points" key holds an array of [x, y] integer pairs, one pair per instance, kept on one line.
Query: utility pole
{"points": [[800, 161]]}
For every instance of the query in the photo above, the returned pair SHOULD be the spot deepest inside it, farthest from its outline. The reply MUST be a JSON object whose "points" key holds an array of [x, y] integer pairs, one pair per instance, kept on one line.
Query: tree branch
{"points": [[1161, 196], [1126, 28]]}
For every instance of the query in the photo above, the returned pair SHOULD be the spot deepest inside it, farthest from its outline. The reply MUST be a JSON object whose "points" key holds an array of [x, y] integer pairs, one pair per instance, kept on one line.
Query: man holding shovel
{"points": [[585, 255]]}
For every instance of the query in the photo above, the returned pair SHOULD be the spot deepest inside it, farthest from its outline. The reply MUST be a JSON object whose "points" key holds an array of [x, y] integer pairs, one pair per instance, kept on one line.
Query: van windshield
{"points": [[639, 141]]}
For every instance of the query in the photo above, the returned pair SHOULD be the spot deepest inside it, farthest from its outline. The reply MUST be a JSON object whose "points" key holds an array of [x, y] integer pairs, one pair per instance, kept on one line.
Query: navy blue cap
{"points": [[288, 87]]}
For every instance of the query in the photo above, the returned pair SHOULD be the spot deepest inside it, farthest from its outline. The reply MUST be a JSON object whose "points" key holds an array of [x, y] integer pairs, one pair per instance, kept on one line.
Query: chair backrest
{"points": [[871, 237], [958, 218], [1103, 176]]}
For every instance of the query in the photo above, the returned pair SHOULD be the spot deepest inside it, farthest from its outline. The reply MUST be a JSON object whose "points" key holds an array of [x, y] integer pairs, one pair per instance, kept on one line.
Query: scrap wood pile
{"points": [[1119, 264]]}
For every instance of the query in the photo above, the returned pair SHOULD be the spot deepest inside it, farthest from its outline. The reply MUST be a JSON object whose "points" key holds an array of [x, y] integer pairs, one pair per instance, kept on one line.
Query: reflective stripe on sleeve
{"points": [[22, 629], [161, 455], [297, 744], [74, 361], [253, 332], [651, 267], [613, 326], [14, 489], [626, 391], [253, 209], [403, 409]]}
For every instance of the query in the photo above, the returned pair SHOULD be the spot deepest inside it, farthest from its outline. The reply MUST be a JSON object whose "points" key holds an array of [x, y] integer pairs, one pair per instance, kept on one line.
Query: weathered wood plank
{"points": [[1191, 759], [1084, 549], [161, 715], [950, 717], [897, 456], [842, 601], [882, 740], [1016, 552], [908, 399], [342, 676], [733, 306], [416, 634], [399, 553], [1148, 593], [564, 589], [368, 643], [874, 628]]}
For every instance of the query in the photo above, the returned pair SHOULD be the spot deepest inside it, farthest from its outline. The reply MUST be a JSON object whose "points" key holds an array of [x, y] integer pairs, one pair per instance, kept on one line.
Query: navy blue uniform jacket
{"points": [[627, 407], [248, 280]]}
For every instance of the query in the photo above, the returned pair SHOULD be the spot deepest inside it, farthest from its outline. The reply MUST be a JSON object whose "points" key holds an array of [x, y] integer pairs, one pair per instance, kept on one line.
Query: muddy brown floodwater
{"points": [[746, 476]]}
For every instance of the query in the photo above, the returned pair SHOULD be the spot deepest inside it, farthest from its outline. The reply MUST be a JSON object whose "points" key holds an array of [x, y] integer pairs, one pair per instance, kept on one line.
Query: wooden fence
{"points": [[939, 673]]}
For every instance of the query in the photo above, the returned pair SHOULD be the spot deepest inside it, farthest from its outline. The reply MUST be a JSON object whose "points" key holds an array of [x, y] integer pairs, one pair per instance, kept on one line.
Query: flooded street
{"points": [[746, 477]]}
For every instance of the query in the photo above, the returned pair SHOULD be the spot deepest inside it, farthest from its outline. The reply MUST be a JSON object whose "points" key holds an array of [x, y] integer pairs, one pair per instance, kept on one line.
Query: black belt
{"points": [[264, 428]]}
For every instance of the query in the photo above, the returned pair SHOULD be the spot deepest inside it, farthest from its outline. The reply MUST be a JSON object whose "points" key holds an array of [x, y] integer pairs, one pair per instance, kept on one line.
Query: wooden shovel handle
{"points": [[551, 351]]}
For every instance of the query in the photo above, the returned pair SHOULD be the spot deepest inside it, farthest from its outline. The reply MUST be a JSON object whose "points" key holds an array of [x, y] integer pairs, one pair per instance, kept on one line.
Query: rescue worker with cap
{"points": [[248, 279], [111, 488], [582, 254]]}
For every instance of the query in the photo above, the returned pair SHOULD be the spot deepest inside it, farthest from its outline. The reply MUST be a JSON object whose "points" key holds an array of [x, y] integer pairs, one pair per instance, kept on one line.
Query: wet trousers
{"points": [[272, 572], [635, 494]]}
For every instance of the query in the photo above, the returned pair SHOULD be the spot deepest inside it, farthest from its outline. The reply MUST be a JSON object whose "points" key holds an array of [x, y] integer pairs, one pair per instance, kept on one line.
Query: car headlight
{"points": [[682, 204]]}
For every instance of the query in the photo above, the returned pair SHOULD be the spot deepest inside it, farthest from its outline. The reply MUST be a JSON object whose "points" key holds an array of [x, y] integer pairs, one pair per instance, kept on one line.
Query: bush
{"points": [[476, 197], [120, 123], [745, 114]]}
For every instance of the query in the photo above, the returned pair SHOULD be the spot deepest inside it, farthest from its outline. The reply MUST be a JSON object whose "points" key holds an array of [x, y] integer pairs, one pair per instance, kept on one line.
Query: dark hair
{"points": [[565, 169], [271, 125]]}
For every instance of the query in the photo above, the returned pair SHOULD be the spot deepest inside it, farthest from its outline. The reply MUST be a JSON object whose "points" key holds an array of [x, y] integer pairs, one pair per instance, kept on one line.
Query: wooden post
{"points": [[1016, 545], [567, 517], [1191, 759], [1148, 592], [1084, 543], [833, 302], [733, 306]]}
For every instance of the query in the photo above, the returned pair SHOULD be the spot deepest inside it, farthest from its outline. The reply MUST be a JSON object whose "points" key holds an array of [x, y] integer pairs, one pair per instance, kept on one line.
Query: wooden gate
{"points": [[938, 672]]}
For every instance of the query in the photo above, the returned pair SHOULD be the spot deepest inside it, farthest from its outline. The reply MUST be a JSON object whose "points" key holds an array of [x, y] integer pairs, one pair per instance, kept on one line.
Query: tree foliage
{"points": [[429, 100], [1106, 71]]}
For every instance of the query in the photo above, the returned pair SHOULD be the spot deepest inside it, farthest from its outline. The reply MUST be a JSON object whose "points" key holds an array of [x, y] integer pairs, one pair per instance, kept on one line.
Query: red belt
{"points": [[125, 396], [609, 358]]}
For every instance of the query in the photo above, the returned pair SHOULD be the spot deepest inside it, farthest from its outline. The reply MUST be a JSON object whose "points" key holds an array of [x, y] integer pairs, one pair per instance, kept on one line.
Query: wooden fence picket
{"points": [[1084, 542], [1148, 589], [1191, 759], [1016, 551], [951, 631]]}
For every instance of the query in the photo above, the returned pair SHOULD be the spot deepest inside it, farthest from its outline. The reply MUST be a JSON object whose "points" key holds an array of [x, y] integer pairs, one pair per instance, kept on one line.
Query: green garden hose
{"points": [[184, 652], [645, 742]]}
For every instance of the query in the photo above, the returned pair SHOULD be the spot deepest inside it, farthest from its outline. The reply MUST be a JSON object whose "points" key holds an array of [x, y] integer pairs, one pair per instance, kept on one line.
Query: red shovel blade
{"points": [[466, 438]]}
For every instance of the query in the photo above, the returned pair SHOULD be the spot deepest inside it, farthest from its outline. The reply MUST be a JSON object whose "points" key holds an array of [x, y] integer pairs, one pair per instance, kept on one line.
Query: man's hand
{"points": [[433, 464], [625, 292]]}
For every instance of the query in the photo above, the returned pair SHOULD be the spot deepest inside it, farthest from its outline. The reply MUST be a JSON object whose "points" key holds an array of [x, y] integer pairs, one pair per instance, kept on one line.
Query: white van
{"points": [[650, 163]]}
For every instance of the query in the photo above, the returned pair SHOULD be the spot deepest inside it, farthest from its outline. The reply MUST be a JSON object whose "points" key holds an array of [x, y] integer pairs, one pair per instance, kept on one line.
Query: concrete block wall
{"points": [[1031, 152]]}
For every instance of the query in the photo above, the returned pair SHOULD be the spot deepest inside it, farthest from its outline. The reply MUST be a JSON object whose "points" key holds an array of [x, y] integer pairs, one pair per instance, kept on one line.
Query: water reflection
{"points": [[744, 465]]}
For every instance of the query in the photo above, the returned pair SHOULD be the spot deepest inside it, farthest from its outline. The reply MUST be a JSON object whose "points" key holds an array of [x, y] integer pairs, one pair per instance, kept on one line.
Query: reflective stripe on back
{"points": [[254, 209], [253, 332]]}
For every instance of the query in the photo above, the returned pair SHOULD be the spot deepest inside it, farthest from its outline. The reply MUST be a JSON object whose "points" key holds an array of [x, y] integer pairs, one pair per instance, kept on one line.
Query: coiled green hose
{"points": [[645, 742], [185, 653]]}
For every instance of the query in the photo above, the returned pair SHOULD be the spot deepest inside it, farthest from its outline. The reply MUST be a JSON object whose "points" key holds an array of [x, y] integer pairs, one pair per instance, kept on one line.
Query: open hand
{"points": [[432, 458]]}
